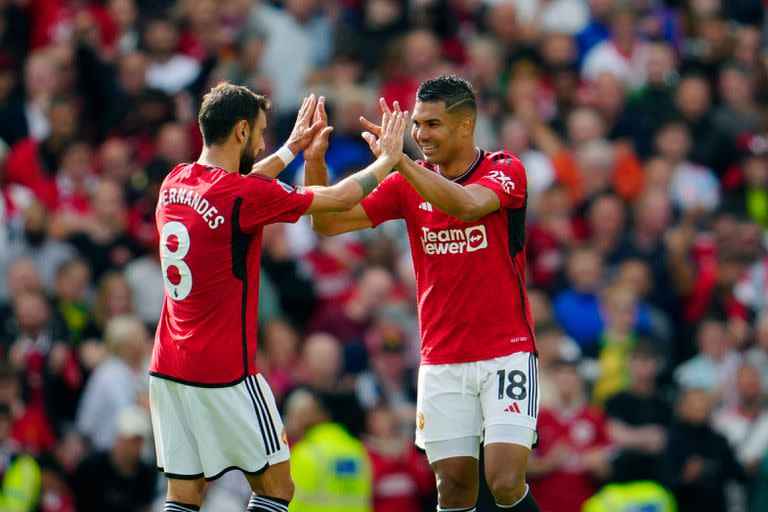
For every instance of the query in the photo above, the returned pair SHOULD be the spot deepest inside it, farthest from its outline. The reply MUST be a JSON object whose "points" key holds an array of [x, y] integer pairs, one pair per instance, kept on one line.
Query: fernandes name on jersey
{"points": [[210, 223]]}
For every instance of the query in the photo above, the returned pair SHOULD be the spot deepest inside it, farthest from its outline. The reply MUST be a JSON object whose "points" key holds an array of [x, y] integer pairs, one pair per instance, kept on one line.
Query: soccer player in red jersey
{"points": [[211, 409], [465, 212]]}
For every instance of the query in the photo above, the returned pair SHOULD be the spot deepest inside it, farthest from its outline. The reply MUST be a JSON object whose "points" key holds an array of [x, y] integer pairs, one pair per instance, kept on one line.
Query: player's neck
{"points": [[219, 156], [459, 165]]}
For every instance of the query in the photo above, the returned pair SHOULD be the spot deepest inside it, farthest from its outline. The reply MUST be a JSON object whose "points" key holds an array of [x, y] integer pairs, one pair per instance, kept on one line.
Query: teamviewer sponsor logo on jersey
{"points": [[453, 241]]}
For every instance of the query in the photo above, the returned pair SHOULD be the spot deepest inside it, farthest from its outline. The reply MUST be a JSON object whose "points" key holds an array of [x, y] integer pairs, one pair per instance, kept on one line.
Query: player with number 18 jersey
{"points": [[470, 276], [473, 310]]}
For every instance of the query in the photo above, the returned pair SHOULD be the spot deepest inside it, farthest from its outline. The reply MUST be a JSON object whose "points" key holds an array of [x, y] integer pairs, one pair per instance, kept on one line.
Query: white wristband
{"points": [[285, 154]]}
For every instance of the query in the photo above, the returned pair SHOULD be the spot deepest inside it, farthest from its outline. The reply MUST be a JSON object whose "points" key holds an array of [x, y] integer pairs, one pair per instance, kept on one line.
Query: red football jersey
{"points": [[580, 431], [470, 276], [210, 224]]}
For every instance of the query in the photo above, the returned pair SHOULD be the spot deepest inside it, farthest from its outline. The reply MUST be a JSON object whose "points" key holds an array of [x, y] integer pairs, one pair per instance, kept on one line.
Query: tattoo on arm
{"points": [[367, 182]]}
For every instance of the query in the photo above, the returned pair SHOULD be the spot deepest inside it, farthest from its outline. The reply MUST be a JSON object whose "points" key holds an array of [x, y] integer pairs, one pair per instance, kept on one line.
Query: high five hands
{"points": [[373, 130], [321, 131]]}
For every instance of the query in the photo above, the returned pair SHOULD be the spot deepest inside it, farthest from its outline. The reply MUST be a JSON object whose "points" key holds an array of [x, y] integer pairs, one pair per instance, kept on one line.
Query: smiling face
{"points": [[440, 134]]}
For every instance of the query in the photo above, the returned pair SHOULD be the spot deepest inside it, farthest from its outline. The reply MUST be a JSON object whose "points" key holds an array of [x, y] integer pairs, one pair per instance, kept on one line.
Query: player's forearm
{"points": [[270, 166], [316, 174], [443, 194], [346, 194], [355, 188]]}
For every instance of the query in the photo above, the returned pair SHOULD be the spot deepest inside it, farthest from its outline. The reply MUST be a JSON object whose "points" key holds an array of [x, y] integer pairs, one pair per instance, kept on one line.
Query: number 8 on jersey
{"points": [[174, 246]]}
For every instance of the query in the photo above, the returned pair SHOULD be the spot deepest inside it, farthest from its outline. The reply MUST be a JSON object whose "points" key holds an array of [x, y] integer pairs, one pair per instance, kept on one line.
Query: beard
{"points": [[247, 159]]}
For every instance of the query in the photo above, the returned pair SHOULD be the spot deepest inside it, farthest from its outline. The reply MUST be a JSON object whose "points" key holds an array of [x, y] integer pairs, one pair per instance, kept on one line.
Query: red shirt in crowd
{"points": [[568, 487], [210, 224], [470, 276], [399, 483], [25, 167]]}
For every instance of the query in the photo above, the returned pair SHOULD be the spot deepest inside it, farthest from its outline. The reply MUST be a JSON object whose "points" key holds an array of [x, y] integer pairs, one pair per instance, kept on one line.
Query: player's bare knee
{"points": [[457, 485], [507, 485], [275, 482], [186, 491]]}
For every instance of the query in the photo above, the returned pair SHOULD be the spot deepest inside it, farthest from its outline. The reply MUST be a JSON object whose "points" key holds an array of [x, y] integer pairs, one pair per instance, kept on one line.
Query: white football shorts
{"points": [[204, 432], [462, 400]]}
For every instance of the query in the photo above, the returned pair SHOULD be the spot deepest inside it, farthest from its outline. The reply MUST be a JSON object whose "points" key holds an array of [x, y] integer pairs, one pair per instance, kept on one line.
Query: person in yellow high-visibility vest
{"points": [[20, 477], [329, 467], [631, 496]]}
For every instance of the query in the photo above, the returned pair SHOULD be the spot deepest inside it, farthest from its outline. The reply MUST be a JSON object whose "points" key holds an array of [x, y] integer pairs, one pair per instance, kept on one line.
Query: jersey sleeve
{"points": [[507, 179], [383, 204], [267, 201]]}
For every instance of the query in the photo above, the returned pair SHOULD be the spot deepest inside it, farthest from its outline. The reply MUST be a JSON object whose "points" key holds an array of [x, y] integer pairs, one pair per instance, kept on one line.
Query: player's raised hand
{"points": [[373, 127], [319, 144], [391, 141], [305, 129], [373, 130]]}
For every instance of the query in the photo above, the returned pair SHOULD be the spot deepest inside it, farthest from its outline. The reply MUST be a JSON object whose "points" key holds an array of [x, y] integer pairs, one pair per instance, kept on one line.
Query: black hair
{"points": [[454, 91], [224, 106]]}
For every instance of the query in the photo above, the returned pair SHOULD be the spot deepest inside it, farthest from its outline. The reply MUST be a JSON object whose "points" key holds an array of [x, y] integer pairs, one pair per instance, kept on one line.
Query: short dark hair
{"points": [[224, 106], [451, 89]]}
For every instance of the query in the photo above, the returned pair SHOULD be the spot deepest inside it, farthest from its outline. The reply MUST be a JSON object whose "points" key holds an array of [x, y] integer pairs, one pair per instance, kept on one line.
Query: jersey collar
{"points": [[470, 170]]}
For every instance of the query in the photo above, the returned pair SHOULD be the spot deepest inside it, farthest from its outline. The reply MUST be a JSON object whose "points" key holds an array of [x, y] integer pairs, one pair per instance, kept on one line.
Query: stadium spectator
{"points": [[625, 54], [69, 305], [20, 489], [33, 162], [714, 368], [745, 423], [620, 311], [103, 241], [402, 479], [116, 383], [168, 70], [638, 418], [280, 350], [323, 444], [350, 321], [697, 462], [757, 356], [117, 479], [389, 382], [573, 445], [48, 254]]}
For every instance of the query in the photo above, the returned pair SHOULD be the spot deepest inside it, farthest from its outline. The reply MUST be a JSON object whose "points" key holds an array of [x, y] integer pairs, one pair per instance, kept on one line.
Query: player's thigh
{"points": [[509, 397], [238, 427], [175, 445], [447, 404]]}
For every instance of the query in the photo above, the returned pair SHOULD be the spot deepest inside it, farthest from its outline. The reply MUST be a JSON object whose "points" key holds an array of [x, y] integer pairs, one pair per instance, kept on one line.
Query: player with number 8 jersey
{"points": [[210, 244], [212, 411]]}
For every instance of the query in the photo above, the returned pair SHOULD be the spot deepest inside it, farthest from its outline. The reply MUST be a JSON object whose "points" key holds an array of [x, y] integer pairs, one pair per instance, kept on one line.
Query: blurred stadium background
{"points": [[643, 130]]}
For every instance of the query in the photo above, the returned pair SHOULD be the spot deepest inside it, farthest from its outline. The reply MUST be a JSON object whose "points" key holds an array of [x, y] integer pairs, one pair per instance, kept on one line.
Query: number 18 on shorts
{"points": [[464, 399]]}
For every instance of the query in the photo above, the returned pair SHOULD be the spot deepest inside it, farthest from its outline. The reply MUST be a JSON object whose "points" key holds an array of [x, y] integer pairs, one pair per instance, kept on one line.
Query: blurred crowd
{"points": [[642, 127]]}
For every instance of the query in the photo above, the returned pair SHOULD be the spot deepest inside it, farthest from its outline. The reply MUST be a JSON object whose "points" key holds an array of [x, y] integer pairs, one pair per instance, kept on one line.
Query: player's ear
{"points": [[242, 129], [467, 126]]}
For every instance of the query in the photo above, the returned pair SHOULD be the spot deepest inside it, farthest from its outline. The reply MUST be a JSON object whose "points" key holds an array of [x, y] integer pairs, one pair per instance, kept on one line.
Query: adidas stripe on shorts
{"points": [[204, 432]]}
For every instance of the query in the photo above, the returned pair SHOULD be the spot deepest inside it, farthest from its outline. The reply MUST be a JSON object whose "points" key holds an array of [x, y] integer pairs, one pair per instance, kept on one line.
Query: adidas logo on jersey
{"points": [[425, 206], [514, 408]]}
